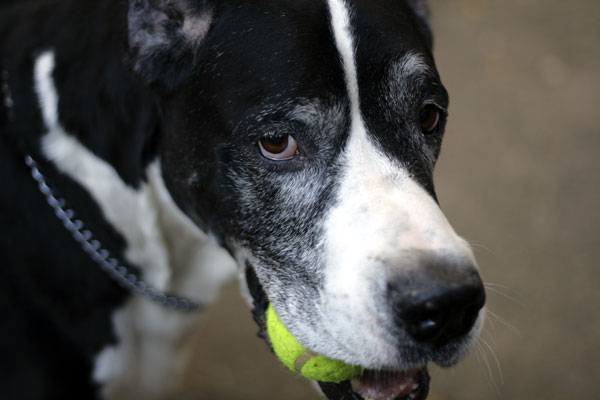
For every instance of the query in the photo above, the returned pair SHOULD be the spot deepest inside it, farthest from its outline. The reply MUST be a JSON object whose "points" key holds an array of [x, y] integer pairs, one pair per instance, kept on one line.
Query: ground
{"points": [[518, 178]]}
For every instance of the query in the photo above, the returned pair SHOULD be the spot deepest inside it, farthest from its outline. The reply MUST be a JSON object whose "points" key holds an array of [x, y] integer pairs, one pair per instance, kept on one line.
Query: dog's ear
{"points": [[421, 10], [164, 37]]}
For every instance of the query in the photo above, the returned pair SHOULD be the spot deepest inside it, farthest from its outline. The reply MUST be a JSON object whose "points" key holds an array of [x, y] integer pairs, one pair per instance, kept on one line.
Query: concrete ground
{"points": [[518, 177]]}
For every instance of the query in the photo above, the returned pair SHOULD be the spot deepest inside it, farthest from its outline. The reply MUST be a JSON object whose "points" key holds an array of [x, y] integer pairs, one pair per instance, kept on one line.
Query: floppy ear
{"points": [[164, 37]]}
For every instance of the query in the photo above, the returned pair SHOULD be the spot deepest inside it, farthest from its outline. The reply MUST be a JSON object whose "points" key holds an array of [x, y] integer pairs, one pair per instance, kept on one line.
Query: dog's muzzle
{"points": [[436, 308], [433, 312]]}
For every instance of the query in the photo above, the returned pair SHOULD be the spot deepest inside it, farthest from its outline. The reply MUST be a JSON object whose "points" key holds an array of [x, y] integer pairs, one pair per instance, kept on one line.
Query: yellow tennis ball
{"points": [[300, 360]]}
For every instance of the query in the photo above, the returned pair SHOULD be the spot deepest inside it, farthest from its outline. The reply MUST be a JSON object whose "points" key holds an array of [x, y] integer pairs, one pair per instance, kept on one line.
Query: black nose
{"points": [[436, 311]]}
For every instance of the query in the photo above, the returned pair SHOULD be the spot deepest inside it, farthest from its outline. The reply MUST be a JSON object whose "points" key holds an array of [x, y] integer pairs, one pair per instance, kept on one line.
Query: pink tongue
{"points": [[384, 385]]}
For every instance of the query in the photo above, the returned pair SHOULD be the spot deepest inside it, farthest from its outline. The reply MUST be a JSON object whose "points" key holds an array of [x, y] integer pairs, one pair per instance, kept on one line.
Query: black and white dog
{"points": [[159, 146]]}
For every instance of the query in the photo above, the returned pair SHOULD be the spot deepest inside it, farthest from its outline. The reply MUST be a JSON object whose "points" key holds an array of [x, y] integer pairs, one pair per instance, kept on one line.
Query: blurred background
{"points": [[518, 178]]}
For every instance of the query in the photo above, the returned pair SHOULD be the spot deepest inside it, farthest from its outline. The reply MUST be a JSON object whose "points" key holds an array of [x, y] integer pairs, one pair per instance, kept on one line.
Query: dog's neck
{"points": [[160, 240], [95, 129], [101, 103]]}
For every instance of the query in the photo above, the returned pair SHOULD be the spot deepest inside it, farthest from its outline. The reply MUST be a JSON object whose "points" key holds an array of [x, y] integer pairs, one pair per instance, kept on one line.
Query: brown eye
{"points": [[278, 148], [429, 119]]}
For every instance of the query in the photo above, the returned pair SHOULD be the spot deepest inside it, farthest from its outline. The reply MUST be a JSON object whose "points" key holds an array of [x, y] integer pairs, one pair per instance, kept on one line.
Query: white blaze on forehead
{"points": [[372, 181], [342, 33]]}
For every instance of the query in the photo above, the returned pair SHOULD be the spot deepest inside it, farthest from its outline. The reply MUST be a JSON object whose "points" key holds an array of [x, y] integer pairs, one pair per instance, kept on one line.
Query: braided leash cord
{"points": [[102, 256]]}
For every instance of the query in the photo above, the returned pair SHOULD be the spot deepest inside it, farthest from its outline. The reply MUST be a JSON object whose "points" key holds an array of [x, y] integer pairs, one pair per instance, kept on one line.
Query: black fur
{"points": [[56, 304], [137, 84], [260, 301]]}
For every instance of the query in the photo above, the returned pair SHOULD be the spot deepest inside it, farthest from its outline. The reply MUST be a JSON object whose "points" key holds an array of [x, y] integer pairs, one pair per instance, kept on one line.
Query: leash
{"points": [[99, 254]]}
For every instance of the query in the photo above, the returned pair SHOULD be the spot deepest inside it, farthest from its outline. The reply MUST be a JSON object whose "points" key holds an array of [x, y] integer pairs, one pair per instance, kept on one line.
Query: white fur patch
{"points": [[132, 212], [148, 359], [413, 64], [171, 252], [195, 27], [382, 216], [340, 23]]}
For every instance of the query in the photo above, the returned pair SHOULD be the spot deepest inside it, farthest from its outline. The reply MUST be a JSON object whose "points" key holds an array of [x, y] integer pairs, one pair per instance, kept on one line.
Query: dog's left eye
{"points": [[278, 147], [429, 119]]}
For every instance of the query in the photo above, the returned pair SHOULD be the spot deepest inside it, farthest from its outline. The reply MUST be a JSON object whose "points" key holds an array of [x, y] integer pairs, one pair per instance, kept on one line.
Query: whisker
{"points": [[504, 322], [487, 333], [478, 352], [490, 321], [476, 245], [495, 359], [508, 296], [507, 288], [491, 379]]}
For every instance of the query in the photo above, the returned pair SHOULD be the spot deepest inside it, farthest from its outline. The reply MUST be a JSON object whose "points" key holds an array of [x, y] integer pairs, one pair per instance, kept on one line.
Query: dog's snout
{"points": [[435, 311], [445, 315]]}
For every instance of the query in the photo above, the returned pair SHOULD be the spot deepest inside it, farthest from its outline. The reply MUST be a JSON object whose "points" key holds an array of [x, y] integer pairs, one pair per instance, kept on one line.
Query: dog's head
{"points": [[303, 135]]}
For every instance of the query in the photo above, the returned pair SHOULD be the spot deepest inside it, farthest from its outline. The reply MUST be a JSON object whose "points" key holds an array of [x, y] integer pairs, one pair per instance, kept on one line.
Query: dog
{"points": [[153, 149]]}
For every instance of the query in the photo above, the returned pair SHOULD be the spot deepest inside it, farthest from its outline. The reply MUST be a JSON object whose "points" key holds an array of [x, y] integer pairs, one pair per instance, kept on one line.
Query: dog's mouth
{"points": [[381, 385], [410, 384]]}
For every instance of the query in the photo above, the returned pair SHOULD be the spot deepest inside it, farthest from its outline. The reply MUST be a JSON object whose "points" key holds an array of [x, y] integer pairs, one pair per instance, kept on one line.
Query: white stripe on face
{"points": [[382, 223], [340, 24], [382, 218]]}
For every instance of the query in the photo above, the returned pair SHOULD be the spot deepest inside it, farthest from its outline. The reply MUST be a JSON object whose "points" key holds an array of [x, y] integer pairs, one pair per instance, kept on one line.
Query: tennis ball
{"points": [[300, 360]]}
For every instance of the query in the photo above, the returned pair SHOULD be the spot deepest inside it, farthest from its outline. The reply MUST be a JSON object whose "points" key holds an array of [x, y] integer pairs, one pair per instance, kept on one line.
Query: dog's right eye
{"points": [[429, 119], [278, 147]]}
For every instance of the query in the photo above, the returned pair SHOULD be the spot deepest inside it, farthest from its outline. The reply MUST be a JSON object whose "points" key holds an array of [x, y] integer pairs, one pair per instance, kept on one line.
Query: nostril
{"points": [[425, 323], [447, 314]]}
